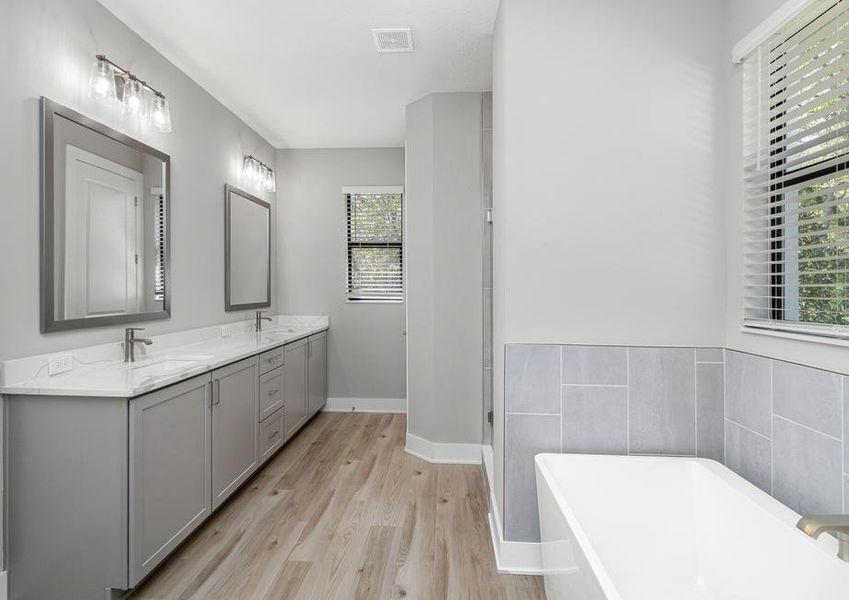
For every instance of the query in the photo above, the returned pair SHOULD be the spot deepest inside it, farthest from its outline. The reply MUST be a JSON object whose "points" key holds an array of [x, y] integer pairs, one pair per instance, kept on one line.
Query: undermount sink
{"points": [[280, 333], [169, 364]]}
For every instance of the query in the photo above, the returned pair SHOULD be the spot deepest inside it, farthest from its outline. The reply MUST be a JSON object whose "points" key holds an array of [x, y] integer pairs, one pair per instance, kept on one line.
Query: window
{"points": [[375, 233], [159, 220], [796, 165]]}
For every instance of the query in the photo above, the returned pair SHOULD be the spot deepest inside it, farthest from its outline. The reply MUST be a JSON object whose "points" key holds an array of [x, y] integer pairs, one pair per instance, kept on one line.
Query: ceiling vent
{"points": [[392, 40]]}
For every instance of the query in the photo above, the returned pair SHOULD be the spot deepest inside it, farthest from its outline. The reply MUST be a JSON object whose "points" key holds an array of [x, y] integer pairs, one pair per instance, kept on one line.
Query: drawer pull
{"points": [[273, 434], [274, 392], [272, 359]]}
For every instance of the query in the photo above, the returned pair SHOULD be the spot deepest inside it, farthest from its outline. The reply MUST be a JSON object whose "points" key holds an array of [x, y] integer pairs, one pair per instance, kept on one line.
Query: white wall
{"points": [[741, 19], [444, 249], [366, 344], [608, 212], [47, 49]]}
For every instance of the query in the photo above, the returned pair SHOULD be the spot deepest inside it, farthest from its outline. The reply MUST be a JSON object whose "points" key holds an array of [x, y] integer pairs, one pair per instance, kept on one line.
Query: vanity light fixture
{"points": [[133, 97], [101, 79], [258, 174]]}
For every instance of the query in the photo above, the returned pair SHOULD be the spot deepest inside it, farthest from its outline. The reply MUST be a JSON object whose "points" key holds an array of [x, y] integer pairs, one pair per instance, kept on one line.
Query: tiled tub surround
{"points": [[786, 431], [604, 400], [777, 424]]}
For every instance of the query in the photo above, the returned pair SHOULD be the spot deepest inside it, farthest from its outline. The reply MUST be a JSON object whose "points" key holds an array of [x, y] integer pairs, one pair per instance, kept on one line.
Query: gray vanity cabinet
{"points": [[317, 369], [234, 427], [295, 399], [169, 471]]}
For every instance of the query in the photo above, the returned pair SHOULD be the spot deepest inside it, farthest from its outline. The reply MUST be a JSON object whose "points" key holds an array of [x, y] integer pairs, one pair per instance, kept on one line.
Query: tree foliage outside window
{"points": [[814, 239], [375, 247]]}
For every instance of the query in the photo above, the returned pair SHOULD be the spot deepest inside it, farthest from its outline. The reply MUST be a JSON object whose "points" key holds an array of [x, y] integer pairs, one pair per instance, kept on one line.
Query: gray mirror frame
{"points": [[49, 323], [228, 306]]}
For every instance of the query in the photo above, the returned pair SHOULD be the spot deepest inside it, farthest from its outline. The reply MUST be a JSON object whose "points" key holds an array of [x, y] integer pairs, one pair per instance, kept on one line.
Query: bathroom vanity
{"points": [[111, 466]]}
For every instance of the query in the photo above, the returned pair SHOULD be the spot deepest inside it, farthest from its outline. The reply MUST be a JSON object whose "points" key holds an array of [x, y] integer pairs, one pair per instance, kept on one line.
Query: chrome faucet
{"points": [[130, 341], [814, 525], [260, 319]]}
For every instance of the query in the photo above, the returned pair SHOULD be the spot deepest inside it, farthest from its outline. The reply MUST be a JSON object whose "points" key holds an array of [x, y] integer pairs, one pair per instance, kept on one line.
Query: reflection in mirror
{"points": [[247, 263], [105, 230]]}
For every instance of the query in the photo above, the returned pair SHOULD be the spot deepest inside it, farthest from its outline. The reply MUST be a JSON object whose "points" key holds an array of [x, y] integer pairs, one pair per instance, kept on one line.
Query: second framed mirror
{"points": [[247, 251]]}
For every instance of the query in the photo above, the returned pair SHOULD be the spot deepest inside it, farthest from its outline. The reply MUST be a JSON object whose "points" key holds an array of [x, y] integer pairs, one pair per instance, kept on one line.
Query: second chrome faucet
{"points": [[260, 319], [130, 341]]}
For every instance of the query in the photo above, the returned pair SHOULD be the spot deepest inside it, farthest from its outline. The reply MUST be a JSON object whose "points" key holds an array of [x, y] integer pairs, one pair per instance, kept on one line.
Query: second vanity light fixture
{"points": [[258, 173], [133, 95]]}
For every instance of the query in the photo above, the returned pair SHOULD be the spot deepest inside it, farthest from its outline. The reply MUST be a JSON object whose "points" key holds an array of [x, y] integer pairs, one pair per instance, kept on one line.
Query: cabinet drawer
{"points": [[270, 435], [270, 392], [271, 360]]}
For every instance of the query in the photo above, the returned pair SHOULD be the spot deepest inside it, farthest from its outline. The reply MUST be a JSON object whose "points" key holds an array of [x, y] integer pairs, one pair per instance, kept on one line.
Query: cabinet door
{"points": [[317, 361], [295, 387], [169, 471], [234, 427]]}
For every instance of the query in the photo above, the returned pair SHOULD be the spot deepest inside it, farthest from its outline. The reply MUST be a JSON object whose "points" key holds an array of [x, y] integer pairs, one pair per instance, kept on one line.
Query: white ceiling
{"points": [[305, 74]]}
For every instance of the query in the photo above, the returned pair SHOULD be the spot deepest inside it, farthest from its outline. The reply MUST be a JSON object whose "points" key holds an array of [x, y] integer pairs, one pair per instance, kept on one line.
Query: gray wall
{"points": [[444, 246], [607, 189], [782, 426], [366, 342], [47, 49]]}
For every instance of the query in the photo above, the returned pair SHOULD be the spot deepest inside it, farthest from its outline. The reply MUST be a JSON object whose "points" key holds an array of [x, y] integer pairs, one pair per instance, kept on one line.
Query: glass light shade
{"points": [[160, 115], [101, 79], [269, 183], [134, 96]]}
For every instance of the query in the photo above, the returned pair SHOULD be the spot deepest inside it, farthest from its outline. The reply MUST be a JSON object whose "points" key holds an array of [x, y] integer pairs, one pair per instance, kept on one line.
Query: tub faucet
{"points": [[130, 341], [814, 525], [260, 319]]}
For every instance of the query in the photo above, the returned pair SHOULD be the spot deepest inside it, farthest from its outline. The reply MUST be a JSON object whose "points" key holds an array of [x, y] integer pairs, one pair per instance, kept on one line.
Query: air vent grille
{"points": [[392, 40]]}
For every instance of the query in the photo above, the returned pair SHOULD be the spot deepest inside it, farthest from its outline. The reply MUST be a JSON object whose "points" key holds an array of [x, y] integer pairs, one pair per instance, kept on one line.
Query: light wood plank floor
{"points": [[343, 512]]}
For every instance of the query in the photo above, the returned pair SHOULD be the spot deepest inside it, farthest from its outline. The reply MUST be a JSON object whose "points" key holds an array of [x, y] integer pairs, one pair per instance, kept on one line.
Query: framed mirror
{"points": [[105, 234], [247, 251]]}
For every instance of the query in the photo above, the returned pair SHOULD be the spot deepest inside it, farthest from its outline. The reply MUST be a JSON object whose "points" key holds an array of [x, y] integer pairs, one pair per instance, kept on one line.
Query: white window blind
{"points": [[375, 245], [796, 209], [159, 232]]}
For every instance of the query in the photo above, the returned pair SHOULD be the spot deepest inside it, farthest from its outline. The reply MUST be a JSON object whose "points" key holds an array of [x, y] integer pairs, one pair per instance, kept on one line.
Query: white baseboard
{"points": [[4, 585], [514, 558], [433, 452], [367, 405]]}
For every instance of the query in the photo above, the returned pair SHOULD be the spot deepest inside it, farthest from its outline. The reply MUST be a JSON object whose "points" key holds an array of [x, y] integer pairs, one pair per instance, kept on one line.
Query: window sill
{"points": [[374, 302], [801, 337]]}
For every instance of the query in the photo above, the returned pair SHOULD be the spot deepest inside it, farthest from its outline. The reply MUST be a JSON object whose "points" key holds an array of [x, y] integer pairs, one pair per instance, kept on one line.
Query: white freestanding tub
{"points": [[657, 528]]}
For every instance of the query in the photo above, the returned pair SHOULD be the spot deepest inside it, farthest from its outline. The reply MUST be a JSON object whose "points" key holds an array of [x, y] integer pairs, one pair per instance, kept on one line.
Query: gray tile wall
{"points": [[604, 400], [786, 431], [779, 425]]}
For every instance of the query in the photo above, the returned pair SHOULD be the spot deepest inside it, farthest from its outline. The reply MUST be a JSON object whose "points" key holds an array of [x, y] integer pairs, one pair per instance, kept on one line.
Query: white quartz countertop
{"points": [[100, 370]]}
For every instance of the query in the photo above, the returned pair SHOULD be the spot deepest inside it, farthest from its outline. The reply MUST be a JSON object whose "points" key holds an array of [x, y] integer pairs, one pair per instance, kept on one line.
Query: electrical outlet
{"points": [[225, 330], [59, 363]]}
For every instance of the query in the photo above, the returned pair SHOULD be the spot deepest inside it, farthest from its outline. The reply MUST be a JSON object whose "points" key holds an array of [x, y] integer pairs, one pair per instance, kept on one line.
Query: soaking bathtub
{"points": [[657, 528]]}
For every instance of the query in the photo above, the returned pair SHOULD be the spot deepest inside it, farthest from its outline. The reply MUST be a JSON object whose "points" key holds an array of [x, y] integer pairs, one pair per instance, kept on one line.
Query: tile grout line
{"points": [[771, 430], [562, 394], [591, 385], [627, 401], [696, 398], [811, 429], [752, 431], [724, 403]]}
